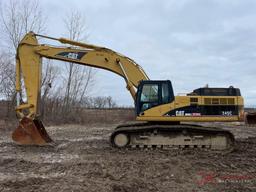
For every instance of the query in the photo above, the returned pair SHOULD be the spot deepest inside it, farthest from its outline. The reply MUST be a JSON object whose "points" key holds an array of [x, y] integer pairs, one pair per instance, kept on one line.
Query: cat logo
{"points": [[72, 55]]}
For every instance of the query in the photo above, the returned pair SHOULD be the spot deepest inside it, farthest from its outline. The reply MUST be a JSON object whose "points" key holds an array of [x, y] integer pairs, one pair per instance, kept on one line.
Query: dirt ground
{"points": [[82, 160]]}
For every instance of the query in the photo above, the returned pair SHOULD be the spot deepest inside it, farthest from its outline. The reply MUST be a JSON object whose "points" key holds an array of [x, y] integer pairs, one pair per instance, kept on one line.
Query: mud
{"points": [[81, 159]]}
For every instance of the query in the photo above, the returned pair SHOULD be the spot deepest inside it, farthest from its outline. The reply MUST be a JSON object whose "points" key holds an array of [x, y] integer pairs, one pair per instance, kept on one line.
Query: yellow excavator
{"points": [[156, 106]]}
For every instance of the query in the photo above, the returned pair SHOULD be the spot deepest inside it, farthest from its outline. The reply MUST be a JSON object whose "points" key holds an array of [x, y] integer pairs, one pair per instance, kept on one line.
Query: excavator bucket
{"points": [[250, 118], [31, 132]]}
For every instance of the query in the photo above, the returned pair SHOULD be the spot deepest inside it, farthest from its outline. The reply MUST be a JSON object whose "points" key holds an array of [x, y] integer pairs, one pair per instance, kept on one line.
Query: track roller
{"points": [[121, 140]]}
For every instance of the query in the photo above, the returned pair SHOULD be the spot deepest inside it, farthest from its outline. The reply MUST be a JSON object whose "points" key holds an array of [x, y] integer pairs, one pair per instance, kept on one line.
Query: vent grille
{"points": [[193, 100], [219, 101]]}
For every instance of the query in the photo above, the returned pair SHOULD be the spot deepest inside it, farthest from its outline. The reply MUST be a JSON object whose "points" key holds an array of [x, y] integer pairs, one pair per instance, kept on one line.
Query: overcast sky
{"points": [[190, 42]]}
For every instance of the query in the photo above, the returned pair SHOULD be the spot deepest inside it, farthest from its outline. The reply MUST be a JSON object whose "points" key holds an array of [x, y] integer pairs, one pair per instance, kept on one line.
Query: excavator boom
{"points": [[29, 68]]}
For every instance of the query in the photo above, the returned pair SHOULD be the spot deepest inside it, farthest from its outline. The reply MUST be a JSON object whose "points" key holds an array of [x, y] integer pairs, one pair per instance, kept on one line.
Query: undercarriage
{"points": [[147, 135]]}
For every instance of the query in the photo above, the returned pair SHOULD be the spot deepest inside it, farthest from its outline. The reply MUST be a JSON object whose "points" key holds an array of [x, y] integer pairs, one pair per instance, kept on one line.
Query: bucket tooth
{"points": [[250, 118], [31, 132]]}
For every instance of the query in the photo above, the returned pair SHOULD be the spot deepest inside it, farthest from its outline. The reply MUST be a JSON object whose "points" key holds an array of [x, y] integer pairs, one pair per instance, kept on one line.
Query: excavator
{"points": [[160, 112]]}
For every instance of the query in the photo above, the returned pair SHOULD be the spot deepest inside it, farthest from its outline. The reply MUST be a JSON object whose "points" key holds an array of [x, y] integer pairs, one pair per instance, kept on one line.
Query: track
{"points": [[146, 135]]}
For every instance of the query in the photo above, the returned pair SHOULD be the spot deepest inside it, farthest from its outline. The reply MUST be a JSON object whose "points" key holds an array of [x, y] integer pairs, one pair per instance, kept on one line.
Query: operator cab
{"points": [[153, 93]]}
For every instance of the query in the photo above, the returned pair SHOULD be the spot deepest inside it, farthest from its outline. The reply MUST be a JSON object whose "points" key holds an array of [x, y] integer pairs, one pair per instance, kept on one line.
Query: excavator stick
{"points": [[31, 132], [250, 118]]}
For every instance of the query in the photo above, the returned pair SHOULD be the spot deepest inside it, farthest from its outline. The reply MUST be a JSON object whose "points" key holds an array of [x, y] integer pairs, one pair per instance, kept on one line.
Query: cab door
{"points": [[153, 93]]}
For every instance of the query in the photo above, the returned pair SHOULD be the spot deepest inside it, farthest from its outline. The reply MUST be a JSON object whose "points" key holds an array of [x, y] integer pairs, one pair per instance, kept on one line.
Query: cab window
{"points": [[149, 96], [149, 93], [165, 93]]}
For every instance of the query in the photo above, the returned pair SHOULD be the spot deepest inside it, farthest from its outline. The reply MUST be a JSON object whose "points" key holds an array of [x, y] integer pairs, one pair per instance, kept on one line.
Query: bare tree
{"points": [[7, 76], [79, 78], [50, 74], [7, 80], [18, 18], [110, 102], [99, 102]]}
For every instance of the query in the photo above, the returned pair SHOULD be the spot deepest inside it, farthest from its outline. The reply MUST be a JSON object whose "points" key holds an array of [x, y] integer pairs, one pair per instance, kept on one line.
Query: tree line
{"points": [[64, 89]]}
